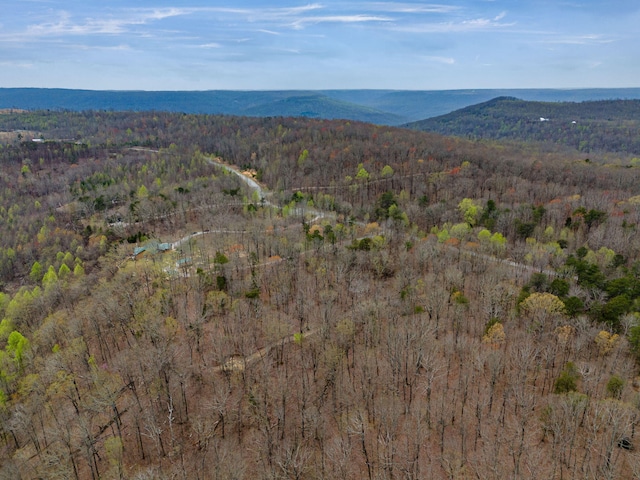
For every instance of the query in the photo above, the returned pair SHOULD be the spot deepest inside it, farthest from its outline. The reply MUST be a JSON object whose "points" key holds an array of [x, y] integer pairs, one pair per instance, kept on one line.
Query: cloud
{"points": [[113, 25], [105, 48], [483, 23], [362, 18], [459, 26], [452, 27], [589, 39], [10, 64], [393, 7], [267, 19], [270, 32], [500, 16], [286, 50], [126, 20], [436, 59]]}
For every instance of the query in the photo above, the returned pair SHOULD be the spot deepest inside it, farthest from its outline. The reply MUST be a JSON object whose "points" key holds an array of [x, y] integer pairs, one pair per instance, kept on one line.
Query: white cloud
{"points": [[453, 27], [394, 7], [591, 39], [11, 64], [123, 21], [500, 17], [100, 47], [482, 23], [270, 32], [65, 25], [459, 26], [287, 50], [436, 59], [301, 22]]}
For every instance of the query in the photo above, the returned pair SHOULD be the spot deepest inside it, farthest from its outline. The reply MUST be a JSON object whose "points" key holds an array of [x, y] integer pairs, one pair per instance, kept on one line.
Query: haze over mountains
{"points": [[383, 107]]}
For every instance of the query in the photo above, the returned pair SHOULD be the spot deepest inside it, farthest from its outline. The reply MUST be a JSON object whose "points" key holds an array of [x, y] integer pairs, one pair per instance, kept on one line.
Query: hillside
{"points": [[207, 296], [383, 107], [418, 105], [317, 105], [605, 125]]}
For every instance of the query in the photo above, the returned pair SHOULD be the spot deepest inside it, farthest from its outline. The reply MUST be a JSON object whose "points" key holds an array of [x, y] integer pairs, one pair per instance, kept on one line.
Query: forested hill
{"points": [[376, 303], [604, 125], [382, 107]]}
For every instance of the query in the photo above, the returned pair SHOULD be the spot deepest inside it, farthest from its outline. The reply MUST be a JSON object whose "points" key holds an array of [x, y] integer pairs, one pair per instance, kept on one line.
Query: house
{"points": [[152, 247]]}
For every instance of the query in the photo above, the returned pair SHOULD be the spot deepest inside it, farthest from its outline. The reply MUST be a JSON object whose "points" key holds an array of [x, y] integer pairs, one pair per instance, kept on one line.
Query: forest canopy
{"points": [[207, 296]]}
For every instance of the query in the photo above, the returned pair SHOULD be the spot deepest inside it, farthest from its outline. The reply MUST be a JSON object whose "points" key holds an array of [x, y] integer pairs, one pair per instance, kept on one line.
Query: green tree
{"points": [[484, 236], [50, 278], [386, 172], [498, 243], [4, 301], [220, 258], [634, 341], [6, 327], [68, 259], [612, 310], [559, 287], [574, 306], [489, 215], [362, 173], [142, 192], [593, 217], [615, 386], [538, 213], [64, 271], [524, 229], [469, 210], [78, 271], [568, 379], [36, 272], [384, 203], [303, 157], [17, 345]]}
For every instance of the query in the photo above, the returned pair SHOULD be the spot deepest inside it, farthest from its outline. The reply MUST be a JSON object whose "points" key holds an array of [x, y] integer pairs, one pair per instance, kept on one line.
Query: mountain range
{"points": [[382, 107]]}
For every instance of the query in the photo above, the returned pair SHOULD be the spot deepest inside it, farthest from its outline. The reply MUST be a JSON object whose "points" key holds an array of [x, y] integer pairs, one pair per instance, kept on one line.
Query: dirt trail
{"points": [[239, 363]]}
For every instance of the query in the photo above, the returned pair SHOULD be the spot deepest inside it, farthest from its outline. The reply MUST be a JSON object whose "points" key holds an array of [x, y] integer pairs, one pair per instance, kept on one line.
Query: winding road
{"points": [[264, 194], [239, 363]]}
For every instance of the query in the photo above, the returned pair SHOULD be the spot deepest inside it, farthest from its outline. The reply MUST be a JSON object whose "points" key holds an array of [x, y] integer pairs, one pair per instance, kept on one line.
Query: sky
{"points": [[331, 44]]}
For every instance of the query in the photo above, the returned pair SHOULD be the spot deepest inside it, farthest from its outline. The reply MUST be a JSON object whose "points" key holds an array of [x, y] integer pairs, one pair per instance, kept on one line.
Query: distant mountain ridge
{"points": [[383, 107], [602, 125]]}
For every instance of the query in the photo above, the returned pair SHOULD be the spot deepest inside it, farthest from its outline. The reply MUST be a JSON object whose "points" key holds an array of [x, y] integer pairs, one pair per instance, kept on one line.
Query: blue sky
{"points": [[276, 45]]}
